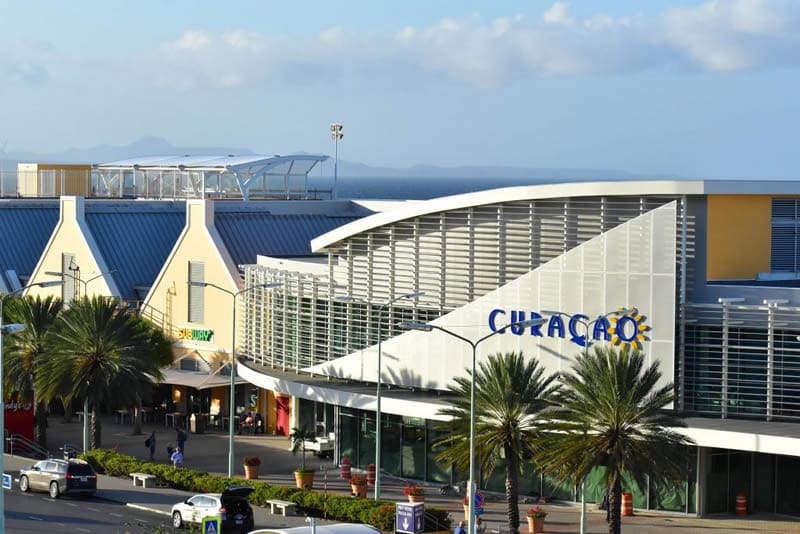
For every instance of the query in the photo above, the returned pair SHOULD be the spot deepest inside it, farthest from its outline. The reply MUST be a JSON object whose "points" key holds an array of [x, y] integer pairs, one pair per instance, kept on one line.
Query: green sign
{"points": [[195, 334]]}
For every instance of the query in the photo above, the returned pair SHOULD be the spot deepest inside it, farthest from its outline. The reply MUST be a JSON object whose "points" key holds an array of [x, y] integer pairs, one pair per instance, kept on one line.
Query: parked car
{"points": [[58, 477], [232, 506]]}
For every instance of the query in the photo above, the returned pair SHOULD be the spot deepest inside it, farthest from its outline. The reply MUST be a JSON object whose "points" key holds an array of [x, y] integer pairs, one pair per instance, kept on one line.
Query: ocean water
{"points": [[413, 188]]}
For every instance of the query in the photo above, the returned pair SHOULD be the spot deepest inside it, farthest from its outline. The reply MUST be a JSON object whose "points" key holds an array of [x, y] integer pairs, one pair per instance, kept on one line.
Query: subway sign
{"points": [[624, 328], [195, 334]]}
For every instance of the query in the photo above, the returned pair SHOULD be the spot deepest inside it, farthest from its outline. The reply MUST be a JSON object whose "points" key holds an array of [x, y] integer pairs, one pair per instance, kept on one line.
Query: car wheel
{"points": [[54, 491], [24, 484], [177, 520]]}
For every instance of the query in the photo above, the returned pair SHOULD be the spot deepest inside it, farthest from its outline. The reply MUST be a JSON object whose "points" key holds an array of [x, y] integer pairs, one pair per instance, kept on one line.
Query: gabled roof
{"points": [[135, 238], [26, 229]]}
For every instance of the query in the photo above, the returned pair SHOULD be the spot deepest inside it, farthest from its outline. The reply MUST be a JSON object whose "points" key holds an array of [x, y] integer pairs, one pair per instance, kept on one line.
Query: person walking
{"points": [[181, 439], [151, 444], [460, 528], [177, 458]]}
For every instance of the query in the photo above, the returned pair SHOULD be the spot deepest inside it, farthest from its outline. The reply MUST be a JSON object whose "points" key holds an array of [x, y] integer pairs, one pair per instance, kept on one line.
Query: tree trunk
{"points": [[137, 425], [615, 523], [40, 424], [512, 489], [67, 404], [95, 430]]}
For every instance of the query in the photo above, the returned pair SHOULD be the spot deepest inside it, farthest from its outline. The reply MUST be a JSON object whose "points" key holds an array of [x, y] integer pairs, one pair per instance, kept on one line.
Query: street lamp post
{"points": [[412, 295], [232, 399], [587, 342], [336, 135], [427, 327], [78, 279], [9, 329]]}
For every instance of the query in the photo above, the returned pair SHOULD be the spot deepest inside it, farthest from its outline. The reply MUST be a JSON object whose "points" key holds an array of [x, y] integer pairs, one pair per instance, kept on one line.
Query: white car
{"points": [[232, 507], [336, 528]]}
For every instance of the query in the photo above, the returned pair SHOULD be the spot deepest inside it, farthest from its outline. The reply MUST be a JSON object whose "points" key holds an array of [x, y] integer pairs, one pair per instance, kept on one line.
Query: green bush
{"points": [[338, 507]]}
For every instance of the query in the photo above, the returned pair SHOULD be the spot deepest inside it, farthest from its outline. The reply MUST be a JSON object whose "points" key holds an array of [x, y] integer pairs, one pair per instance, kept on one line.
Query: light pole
{"points": [[232, 400], [336, 135], [412, 295], [9, 329], [427, 327], [78, 279], [587, 342]]}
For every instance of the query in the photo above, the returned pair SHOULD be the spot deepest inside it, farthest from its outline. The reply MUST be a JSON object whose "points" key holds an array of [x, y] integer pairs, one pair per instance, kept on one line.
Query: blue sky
{"points": [[693, 88]]}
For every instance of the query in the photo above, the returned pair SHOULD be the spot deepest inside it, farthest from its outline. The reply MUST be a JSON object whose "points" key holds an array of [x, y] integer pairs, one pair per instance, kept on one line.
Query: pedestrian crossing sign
{"points": [[211, 524]]}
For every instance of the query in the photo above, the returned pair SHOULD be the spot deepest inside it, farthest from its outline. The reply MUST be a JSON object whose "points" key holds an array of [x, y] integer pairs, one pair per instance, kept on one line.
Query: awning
{"points": [[197, 380]]}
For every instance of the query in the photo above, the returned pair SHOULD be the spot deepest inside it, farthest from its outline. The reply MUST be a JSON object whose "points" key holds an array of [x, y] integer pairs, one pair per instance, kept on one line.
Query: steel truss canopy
{"points": [[190, 176]]}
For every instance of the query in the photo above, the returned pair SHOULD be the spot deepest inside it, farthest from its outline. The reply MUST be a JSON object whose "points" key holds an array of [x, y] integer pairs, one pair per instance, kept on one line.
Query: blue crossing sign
{"points": [[7, 481], [211, 524], [409, 517]]}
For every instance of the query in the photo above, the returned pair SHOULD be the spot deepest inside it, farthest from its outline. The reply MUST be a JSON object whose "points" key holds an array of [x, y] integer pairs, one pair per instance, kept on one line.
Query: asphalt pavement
{"points": [[209, 452]]}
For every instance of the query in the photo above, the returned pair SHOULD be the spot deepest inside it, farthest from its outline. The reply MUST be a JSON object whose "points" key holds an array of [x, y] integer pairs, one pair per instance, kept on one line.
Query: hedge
{"points": [[338, 507]]}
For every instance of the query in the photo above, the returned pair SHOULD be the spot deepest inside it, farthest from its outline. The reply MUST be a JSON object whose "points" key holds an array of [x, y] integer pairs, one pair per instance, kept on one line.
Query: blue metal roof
{"points": [[25, 228], [247, 235], [135, 239]]}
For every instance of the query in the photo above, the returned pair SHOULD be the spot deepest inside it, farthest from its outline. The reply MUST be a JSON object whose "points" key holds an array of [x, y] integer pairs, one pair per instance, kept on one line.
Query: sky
{"points": [[705, 89]]}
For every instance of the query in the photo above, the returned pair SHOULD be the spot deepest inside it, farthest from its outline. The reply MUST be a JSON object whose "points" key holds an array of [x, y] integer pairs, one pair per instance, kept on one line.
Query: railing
{"points": [[20, 445]]}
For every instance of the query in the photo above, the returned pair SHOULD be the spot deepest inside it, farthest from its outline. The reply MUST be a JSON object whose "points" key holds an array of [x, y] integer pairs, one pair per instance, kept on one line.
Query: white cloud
{"points": [[715, 35]]}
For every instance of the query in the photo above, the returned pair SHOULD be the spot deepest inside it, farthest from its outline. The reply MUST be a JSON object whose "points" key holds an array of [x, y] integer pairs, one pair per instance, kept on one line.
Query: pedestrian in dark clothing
{"points": [[151, 444], [181, 439], [607, 506]]}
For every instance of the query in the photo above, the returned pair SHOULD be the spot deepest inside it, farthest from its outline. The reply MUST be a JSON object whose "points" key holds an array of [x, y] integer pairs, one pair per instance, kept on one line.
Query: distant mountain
{"points": [[146, 146], [156, 146]]}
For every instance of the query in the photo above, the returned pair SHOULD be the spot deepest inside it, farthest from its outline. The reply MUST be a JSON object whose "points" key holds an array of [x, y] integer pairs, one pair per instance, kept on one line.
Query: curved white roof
{"points": [[219, 163], [559, 190]]}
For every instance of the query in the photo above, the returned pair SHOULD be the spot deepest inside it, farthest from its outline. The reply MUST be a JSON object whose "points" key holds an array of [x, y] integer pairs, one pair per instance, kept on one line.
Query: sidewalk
{"points": [[209, 452]]}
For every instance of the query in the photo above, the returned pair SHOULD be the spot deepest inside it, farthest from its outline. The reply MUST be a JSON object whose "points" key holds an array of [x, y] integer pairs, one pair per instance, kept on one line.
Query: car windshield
{"points": [[80, 470]]}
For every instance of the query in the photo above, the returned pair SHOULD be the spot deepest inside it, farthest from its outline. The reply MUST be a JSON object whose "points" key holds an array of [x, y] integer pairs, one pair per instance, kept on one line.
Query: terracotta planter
{"points": [[304, 479], [416, 498], [536, 524], [359, 490], [251, 472]]}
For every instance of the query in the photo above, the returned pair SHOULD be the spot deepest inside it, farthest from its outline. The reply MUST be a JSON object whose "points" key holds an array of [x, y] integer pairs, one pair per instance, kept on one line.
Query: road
{"points": [[37, 513]]}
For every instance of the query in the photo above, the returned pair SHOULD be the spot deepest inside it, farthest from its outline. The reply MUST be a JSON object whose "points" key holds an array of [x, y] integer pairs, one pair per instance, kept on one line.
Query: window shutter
{"points": [[785, 239], [196, 293], [68, 276]]}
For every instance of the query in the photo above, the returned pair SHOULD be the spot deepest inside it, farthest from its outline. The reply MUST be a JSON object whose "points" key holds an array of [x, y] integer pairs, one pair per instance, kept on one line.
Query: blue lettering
{"points": [[492, 316], [578, 338], [601, 329], [517, 317], [536, 330], [555, 328], [621, 322]]}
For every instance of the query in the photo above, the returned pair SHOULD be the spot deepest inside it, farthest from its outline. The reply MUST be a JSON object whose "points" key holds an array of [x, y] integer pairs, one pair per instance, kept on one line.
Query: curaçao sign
{"points": [[626, 327]]}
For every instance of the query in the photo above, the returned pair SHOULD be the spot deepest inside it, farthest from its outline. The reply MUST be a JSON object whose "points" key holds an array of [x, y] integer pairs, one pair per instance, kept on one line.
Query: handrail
{"points": [[18, 441]]}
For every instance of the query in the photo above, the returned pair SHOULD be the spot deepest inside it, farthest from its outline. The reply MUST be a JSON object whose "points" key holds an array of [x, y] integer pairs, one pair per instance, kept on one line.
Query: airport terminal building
{"points": [[711, 268]]}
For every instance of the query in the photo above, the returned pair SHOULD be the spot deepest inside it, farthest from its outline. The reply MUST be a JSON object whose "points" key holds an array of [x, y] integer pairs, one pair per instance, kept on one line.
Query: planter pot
{"points": [[359, 491], [536, 524], [304, 480], [416, 498], [251, 472]]}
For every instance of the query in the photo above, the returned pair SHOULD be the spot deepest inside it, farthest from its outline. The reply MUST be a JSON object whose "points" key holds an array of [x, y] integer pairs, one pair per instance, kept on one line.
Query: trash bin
{"points": [[197, 423]]}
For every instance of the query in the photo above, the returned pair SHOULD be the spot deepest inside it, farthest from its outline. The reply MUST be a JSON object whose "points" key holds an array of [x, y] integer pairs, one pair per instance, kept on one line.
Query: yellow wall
{"points": [[76, 179], [738, 234], [72, 236]]}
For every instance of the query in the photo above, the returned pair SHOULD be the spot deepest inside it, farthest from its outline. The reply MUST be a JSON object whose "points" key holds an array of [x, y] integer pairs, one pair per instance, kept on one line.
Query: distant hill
{"points": [[156, 146]]}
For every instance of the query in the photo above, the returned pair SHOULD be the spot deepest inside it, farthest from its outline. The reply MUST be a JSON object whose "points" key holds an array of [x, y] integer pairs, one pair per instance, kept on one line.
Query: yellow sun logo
{"points": [[627, 329]]}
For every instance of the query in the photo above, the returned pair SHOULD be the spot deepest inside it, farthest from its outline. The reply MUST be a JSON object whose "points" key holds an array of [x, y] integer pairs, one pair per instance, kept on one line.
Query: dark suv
{"points": [[59, 477]]}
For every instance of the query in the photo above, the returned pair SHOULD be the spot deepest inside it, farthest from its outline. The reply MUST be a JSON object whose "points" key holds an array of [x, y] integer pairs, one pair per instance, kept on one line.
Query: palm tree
{"points": [[611, 415], [26, 350], [299, 437], [510, 394], [101, 352]]}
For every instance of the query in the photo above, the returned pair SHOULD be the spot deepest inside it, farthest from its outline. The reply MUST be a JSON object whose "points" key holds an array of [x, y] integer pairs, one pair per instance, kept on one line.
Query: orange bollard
{"points": [[627, 503], [741, 504], [345, 472], [371, 474]]}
